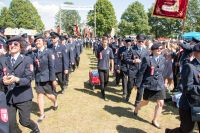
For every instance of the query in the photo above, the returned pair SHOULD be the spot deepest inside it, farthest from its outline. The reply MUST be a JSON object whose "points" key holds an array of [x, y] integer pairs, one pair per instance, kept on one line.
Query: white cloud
{"points": [[47, 13]]}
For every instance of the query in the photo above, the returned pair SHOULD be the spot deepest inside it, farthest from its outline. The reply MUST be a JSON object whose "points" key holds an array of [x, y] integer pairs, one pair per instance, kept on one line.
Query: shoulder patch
{"points": [[4, 115], [31, 67]]}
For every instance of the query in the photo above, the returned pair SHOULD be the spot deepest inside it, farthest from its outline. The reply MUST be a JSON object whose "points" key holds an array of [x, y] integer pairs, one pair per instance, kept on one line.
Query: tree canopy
{"points": [[105, 17], [134, 20], [68, 19], [21, 14]]}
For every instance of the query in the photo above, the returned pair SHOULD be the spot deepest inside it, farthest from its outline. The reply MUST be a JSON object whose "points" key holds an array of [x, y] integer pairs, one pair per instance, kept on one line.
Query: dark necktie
{"points": [[12, 61]]}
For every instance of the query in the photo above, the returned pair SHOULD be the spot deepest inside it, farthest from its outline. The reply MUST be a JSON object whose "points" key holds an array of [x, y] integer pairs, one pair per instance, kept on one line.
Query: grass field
{"points": [[81, 110]]}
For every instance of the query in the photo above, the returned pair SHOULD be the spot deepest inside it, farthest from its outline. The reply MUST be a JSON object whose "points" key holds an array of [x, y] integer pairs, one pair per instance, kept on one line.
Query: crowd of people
{"points": [[153, 68], [150, 66], [46, 58]]}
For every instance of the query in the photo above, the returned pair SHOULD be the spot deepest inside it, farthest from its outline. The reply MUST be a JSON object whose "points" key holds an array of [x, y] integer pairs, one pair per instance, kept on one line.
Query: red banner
{"points": [[171, 8]]}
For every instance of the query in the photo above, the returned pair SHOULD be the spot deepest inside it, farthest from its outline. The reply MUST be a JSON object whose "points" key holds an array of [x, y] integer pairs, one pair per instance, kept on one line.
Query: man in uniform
{"points": [[123, 67], [134, 59], [115, 46], [61, 60]]}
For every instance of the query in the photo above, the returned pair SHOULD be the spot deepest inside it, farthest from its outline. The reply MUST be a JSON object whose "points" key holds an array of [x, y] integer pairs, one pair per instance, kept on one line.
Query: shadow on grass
{"points": [[170, 108], [89, 92], [122, 129], [113, 90], [123, 112], [35, 109]]}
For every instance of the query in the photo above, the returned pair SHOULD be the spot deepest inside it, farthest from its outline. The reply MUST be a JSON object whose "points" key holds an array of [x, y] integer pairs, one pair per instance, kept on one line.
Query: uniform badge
{"points": [[4, 115], [31, 67], [4, 71]]}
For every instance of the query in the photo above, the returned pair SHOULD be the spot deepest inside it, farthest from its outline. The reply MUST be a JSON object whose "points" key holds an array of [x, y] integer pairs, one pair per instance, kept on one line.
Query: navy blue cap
{"points": [[38, 36], [54, 34], [115, 37], [15, 38], [128, 39], [2, 42], [2, 30], [63, 37], [196, 48], [155, 46], [141, 37], [25, 35]]}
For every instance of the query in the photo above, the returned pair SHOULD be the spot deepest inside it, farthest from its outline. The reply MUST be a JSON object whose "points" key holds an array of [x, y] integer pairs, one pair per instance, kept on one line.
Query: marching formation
{"points": [[150, 66], [48, 59], [153, 68]]}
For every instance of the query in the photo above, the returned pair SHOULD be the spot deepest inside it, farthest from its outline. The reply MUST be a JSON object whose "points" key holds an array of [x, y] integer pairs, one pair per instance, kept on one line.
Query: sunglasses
{"points": [[14, 43]]}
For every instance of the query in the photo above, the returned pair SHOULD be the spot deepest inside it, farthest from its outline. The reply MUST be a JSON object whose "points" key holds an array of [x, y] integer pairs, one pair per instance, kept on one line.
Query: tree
{"points": [[22, 14], [69, 18], [4, 15], [193, 19], [164, 27], [134, 20], [105, 17]]}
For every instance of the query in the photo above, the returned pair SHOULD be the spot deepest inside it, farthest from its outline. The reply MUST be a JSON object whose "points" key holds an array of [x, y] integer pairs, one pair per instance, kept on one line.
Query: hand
{"points": [[14, 79], [118, 71], [54, 83], [181, 41], [137, 61], [8, 80], [66, 71]]}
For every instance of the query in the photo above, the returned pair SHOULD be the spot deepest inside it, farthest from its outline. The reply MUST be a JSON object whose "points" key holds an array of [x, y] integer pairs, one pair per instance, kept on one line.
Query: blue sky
{"points": [[48, 8]]}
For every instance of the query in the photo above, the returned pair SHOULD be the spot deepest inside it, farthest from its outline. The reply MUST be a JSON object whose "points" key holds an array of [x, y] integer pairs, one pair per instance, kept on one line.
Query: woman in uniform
{"points": [[151, 79], [44, 75], [16, 73]]}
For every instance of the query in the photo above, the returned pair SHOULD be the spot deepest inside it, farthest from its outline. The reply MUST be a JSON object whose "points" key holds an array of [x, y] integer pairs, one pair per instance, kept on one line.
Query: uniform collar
{"points": [[16, 56], [42, 49]]}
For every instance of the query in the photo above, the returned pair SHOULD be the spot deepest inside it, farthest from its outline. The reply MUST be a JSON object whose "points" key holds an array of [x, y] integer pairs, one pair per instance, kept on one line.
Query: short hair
{"points": [[104, 38]]}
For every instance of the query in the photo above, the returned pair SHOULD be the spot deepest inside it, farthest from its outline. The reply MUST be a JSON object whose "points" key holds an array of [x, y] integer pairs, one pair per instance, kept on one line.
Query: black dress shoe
{"points": [[156, 125], [135, 114], [55, 108], [167, 130]]}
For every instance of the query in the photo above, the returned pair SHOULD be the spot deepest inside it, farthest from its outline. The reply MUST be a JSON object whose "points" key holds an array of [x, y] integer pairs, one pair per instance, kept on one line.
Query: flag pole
{"points": [[183, 25]]}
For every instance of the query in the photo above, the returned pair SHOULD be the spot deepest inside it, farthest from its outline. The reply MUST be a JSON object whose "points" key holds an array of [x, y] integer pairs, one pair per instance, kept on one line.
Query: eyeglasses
{"points": [[14, 43], [159, 49]]}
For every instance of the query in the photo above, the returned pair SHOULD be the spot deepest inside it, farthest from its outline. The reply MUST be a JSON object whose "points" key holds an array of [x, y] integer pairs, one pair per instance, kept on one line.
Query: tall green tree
{"points": [[164, 27], [68, 19], [193, 18], [105, 17], [134, 20], [22, 14], [4, 15]]}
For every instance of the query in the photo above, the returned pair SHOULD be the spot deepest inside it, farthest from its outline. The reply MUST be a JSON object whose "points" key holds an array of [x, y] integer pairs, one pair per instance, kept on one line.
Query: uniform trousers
{"points": [[117, 77], [61, 80], [186, 125], [104, 76], [124, 77], [77, 61], [131, 83], [24, 110], [139, 95]]}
